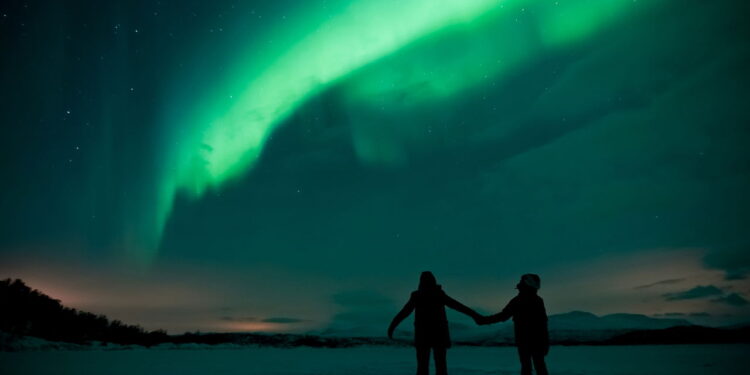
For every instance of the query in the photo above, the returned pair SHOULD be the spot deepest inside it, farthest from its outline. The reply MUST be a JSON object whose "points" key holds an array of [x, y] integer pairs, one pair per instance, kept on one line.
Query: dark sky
{"points": [[238, 165]]}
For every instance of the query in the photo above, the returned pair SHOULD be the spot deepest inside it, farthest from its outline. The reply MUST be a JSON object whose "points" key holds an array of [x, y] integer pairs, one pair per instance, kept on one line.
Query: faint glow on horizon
{"points": [[601, 286], [612, 283], [264, 327]]}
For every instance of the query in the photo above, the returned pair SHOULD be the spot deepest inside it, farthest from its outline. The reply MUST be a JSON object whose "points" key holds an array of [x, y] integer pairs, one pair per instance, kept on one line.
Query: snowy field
{"points": [[620, 360]]}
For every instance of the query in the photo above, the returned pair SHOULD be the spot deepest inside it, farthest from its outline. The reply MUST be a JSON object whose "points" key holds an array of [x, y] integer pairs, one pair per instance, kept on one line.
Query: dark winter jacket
{"points": [[529, 320], [430, 321]]}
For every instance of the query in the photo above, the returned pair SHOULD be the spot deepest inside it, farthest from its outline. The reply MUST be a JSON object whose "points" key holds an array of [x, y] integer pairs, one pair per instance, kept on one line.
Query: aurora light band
{"points": [[225, 131]]}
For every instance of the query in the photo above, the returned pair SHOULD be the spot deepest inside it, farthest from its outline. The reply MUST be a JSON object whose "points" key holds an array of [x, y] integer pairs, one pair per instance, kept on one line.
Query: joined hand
{"points": [[480, 320]]}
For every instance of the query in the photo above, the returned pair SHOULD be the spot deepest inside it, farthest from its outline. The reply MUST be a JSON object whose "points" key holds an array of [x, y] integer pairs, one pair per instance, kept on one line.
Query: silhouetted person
{"points": [[430, 323], [530, 323]]}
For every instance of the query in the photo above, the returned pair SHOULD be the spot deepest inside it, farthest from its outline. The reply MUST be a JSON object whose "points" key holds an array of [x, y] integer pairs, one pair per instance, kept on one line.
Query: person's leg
{"points": [[441, 365], [525, 356], [423, 360], [539, 365]]}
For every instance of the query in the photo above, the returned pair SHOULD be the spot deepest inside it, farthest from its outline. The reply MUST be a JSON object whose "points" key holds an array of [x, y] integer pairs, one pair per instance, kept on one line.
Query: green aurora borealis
{"points": [[203, 165], [225, 135]]}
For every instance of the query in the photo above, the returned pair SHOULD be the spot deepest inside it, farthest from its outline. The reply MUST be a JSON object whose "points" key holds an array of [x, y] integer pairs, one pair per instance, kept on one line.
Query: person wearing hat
{"points": [[530, 324], [428, 303]]}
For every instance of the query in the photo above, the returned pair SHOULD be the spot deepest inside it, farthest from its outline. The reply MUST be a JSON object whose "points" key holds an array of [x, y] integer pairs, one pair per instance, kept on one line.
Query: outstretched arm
{"points": [[460, 307], [502, 316], [408, 308]]}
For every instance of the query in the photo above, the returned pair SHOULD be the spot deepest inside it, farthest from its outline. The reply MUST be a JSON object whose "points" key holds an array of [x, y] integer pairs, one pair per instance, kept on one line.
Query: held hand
{"points": [[476, 316], [480, 320]]}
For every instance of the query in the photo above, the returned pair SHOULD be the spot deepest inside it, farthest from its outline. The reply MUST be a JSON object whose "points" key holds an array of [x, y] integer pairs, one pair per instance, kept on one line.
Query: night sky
{"points": [[292, 166]]}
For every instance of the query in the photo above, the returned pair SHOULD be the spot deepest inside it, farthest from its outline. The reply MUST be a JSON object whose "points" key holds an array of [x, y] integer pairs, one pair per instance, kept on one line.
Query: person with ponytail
{"points": [[431, 333]]}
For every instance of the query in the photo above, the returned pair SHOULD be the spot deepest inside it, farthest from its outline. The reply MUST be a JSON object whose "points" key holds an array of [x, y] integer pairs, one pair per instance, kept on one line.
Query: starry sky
{"points": [[292, 166]]}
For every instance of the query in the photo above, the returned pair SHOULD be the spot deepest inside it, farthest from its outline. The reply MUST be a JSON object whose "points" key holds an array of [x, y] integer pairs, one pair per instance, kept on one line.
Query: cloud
{"points": [[699, 291], [662, 282], [705, 291], [701, 314], [732, 299], [734, 261], [282, 320]]}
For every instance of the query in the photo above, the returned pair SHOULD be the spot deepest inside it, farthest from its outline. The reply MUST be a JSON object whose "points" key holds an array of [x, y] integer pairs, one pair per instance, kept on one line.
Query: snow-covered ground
{"points": [[588, 360]]}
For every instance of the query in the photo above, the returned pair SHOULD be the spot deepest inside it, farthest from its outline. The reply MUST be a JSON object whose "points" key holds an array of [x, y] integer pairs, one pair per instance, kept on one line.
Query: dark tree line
{"points": [[29, 312]]}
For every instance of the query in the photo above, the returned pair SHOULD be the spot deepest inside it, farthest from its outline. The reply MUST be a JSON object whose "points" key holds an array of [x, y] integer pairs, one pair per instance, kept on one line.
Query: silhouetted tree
{"points": [[29, 312]]}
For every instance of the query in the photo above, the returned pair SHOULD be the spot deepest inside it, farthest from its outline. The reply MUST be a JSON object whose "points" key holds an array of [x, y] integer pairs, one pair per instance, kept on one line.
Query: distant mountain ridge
{"points": [[581, 326], [570, 327], [585, 320]]}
